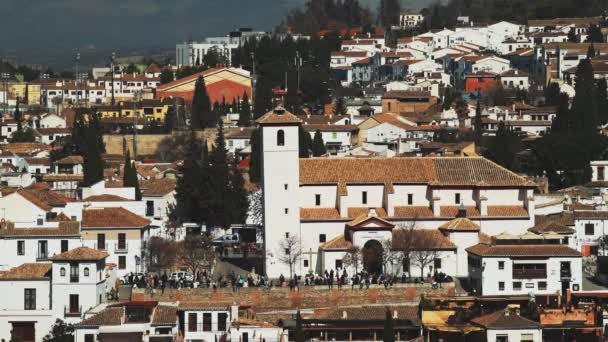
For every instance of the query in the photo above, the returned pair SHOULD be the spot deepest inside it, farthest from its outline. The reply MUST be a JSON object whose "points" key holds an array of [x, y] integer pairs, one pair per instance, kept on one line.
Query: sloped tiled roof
{"points": [[469, 171], [112, 218], [337, 243], [523, 250], [164, 315], [31, 271], [70, 160], [108, 316], [105, 198], [460, 224], [356, 212], [421, 239], [44, 199], [551, 227], [505, 320], [278, 116], [66, 228], [157, 187], [413, 211], [312, 214], [80, 254], [403, 312]]}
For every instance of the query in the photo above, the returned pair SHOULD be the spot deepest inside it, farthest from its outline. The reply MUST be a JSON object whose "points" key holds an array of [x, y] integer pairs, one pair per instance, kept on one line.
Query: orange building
{"points": [[221, 83]]}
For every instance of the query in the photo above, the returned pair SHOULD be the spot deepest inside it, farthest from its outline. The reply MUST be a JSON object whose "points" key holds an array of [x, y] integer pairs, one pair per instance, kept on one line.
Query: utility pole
{"points": [[76, 79], [253, 82], [136, 96], [113, 102]]}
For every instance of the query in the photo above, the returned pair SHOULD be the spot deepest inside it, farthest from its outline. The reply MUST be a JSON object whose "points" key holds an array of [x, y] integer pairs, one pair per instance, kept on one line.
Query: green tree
{"points": [[188, 187], [202, 116], [237, 197], [217, 186], [170, 120], [584, 108], [23, 135], [552, 93], [60, 332], [388, 334], [93, 162], [504, 146], [591, 51], [389, 12], [166, 76], [18, 116], [572, 37], [305, 143], [602, 100], [255, 162], [478, 125], [245, 112], [299, 332], [594, 34], [340, 107], [318, 146], [129, 177]]}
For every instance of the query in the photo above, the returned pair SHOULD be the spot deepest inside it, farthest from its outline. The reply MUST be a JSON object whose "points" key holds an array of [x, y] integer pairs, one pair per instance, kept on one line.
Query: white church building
{"points": [[320, 199]]}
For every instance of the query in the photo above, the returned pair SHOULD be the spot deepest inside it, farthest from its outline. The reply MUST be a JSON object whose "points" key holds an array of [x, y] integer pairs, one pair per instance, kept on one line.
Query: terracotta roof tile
{"points": [[44, 199], [319, 214], [507, 211], [278, 116], [591, 215], [70, 160], [81, 254], [26, 148], [62, 177], [421, 239], [403, 312], [164, 315], [198, 305], [66, 228], [551, 227], [357, 212], [413, 211], [105, 198], [338, 243], [157, 187], [460, 224], [32, 271], [564, 218], [470, 171], [523, 250], [112, 218], [109, 316], [452, 211], [505, 320]]}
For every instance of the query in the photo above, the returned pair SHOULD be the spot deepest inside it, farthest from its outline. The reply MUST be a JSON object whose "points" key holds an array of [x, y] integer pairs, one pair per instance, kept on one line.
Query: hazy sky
{"points": [[131, 23]]}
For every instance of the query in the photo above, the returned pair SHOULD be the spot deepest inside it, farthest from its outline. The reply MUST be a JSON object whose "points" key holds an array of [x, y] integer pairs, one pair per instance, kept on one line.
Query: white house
{"points": [[590, 227], [51, 120], [158, 196], [237, 139], [409, 19], [518, 265], [206, 321], [508, 325], [515, 79], [36, 294], [312, 197]]}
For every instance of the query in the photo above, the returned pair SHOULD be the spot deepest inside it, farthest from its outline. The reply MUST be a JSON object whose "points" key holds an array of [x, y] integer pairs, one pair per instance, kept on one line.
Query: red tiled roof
{"points": [[80, 254], [31, 271], [523, 250], [112, 218], [105, 198], [338, 243]]}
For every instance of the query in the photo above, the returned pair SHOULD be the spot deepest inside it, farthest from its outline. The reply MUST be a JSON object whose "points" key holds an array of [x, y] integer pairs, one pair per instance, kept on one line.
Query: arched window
{"points": [[62, 271], [86, 271], [281, 138]]}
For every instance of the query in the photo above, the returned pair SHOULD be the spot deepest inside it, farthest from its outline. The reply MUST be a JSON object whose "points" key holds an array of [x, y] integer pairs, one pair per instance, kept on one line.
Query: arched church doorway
{"points": [[372, 257]]}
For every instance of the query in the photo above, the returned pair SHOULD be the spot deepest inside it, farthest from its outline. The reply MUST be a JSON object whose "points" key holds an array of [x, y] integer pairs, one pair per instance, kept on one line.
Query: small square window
{"points": [[338, 264], [317, 200], [517, 285], [410, 199], [542, 285], [589, 229], [437, 263], [287, 235], [286, 210], [501, 265], [364, 197], [322, 238], [305, 263], [286, 186], [457, 198], [501, 286]]}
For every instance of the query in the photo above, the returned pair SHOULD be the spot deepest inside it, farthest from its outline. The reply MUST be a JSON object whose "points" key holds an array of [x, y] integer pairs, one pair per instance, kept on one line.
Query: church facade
{"points": [[320, 200]]}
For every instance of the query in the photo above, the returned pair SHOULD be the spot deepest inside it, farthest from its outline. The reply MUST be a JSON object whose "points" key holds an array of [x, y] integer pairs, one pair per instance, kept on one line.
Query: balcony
{"points": [[530, 274], [72, 311], [121, 248]]}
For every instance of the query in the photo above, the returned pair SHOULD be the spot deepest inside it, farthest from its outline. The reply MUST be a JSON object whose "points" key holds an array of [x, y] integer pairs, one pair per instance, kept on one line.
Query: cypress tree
{"points": [[340, 107], [245, 112], [255, 161], [318, 146], [305, 143], [18, 117], [188, 187], [478, 126], [129, 177], [237, 197], [93, 163], [584, 108], [201, 106], [602, 100], [389, 329], [504, 146], [234, 108], [299, 332], [591, 51], [170, 120], [217, 185]]}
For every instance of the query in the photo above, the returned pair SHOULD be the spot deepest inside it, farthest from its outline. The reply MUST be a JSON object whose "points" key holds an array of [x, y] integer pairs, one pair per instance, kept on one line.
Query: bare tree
{"points": [[352, 258], [423, 252], [390, 256], [403, 239], [160, 254], [256, 208], [290, 252], [197, 253]]}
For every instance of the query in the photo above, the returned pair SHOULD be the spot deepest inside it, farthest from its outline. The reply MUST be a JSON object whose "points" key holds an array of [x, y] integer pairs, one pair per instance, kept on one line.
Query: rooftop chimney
{"points": [[279, 110], [462, 211]]}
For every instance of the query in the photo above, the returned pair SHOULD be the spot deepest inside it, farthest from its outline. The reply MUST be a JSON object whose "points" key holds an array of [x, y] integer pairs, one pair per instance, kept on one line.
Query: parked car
{"points": [[227, 239], [187, 276]]}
